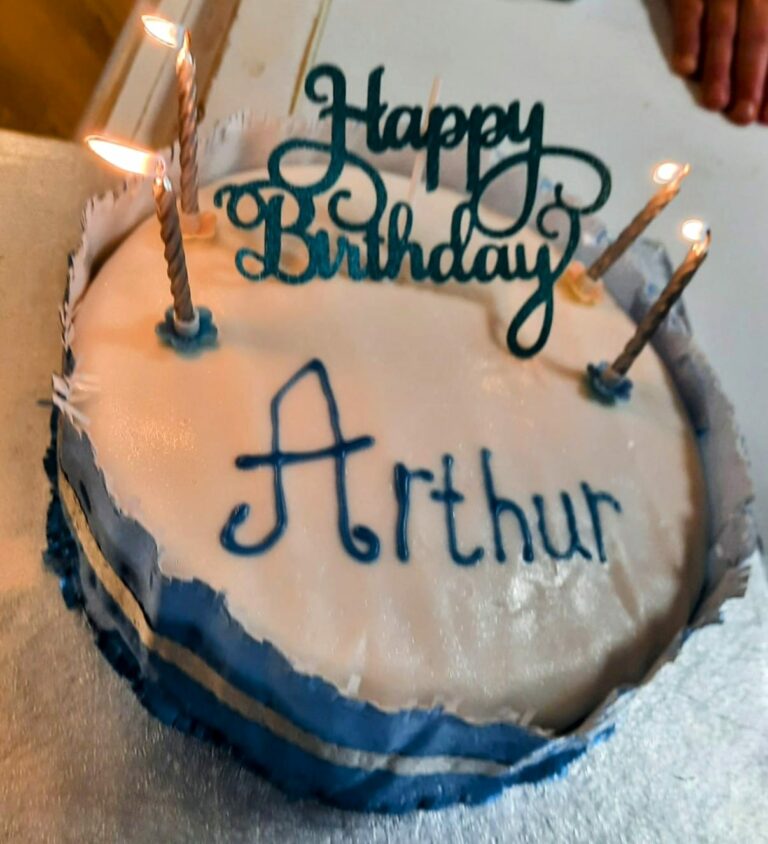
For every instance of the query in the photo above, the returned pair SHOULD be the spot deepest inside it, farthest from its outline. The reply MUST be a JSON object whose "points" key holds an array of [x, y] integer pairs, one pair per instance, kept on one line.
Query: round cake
{"points": [[388, 562]]}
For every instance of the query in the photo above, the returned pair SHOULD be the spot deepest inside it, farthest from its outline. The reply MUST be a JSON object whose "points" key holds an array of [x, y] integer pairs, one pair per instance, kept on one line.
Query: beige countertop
{"points": [[43, 186]]}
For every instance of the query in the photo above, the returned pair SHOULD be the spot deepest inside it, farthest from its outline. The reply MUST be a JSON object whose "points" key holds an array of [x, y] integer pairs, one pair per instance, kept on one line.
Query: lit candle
{"points": [[185, 316], [585, 285], [194, 327], [670, 176], [177, 37], [609, 381], [417, 172]]}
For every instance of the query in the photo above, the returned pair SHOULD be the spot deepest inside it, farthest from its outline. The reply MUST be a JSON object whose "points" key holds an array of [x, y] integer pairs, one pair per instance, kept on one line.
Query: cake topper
{"points": [[609, 382], [376, 248], [185, 327], [194, 223]]}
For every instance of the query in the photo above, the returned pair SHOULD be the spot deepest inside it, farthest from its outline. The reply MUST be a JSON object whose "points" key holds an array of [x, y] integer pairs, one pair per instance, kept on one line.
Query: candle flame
{"points": [[696, 232], [166, 32], [143, 162], [670, 171]]}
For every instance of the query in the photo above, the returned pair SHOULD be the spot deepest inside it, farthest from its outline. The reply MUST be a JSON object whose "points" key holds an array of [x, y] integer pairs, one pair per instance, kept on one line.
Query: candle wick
{"points": [[702, 246], [185, 50]]}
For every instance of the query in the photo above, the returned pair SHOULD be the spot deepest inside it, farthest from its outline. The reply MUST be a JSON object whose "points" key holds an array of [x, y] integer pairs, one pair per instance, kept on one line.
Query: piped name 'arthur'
{"points": [[534, 536]]}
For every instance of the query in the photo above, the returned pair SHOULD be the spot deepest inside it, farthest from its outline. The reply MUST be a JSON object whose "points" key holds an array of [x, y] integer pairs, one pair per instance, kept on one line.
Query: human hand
{"points": [[726, 43]]}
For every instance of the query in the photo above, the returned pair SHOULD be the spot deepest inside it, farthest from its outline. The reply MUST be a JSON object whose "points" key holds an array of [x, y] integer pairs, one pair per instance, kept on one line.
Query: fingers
{"points": [[751, 61], [719, 35], [728, 40], [686, 25]]}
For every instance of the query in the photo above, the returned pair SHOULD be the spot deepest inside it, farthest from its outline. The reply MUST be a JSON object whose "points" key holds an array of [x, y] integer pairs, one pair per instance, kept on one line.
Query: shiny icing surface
{"points": [[471, 616]]}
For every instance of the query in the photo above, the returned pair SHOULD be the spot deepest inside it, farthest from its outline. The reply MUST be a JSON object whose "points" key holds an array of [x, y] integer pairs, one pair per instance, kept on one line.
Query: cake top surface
{"points": [[381, 491]]}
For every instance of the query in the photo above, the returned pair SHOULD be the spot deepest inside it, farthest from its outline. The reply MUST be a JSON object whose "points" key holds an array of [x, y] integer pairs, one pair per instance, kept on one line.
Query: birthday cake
{"points": [[353, 537]]}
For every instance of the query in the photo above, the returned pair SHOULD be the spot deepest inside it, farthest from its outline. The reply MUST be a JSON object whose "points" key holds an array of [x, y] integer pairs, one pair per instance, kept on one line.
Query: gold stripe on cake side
{"points": [[253, 710]]}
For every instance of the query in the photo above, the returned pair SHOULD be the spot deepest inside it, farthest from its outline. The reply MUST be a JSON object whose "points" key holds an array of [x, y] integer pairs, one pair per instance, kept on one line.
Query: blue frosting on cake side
{"points": [[299, 730]]}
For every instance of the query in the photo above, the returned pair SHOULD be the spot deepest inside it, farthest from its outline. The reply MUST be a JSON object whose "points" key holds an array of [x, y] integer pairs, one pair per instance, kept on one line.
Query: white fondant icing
{"points": [[425, 371]]}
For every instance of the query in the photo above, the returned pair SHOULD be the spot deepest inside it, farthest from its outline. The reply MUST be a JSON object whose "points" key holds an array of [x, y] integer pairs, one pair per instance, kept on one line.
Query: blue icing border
{"points": [[206, 336], [263, 673]]}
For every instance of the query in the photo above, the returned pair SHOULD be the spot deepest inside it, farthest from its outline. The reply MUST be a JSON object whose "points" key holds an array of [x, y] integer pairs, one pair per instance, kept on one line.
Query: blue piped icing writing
{"points": [[402, 484], [575, 545], [383, 244], [449, 497], [499, 506], [535, 538], [360, 542], [594, 499]]}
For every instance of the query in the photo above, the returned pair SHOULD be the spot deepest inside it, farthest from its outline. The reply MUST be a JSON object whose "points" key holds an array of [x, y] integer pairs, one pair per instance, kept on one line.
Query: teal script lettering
{"points": [[260, 203]]}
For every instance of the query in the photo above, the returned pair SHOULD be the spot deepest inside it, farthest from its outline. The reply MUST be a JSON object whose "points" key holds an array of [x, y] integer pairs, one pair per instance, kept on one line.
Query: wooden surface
{"points": [[52, 53], [136, 98]]}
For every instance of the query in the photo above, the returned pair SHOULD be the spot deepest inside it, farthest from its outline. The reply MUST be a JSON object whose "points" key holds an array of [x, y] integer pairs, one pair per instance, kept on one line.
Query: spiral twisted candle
{"points": [[170, 231], [660, 308], [608, 382], [187, 91], [639, 224]]}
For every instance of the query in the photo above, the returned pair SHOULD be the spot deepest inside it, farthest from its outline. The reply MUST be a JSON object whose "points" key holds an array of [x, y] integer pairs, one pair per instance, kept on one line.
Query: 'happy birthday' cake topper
{"points": [[383, 241]]}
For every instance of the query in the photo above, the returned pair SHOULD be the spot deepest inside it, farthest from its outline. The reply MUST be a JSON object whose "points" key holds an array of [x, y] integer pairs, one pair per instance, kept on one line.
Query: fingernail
{"points": [[684, 63], [715, 98], [745, 111]]}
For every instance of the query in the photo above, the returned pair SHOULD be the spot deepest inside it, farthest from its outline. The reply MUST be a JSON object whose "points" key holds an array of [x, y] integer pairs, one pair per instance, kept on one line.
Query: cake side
{"points": [[197, 670]]}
